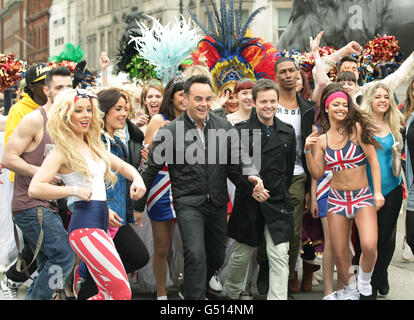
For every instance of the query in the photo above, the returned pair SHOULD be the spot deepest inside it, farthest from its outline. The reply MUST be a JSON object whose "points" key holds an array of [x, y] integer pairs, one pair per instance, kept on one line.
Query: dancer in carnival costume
{"points": [[85, 166], [346, 144], [157, 47]]}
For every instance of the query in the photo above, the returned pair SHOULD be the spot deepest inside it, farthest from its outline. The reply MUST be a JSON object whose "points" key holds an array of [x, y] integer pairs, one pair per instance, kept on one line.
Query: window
{"points": [[283, 17]]}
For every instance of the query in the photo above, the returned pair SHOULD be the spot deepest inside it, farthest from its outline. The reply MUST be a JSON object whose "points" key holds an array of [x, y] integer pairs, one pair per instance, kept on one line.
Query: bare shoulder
{"points": [[31, 123]]}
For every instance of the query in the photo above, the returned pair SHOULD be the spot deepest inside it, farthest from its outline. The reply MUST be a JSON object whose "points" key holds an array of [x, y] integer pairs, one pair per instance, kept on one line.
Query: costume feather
{"points": [[166, 47]]}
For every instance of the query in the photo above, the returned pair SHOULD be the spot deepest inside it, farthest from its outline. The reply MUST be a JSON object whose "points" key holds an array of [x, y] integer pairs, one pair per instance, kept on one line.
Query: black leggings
{"points": [[409, 224], [133, 252], [387, 226]]}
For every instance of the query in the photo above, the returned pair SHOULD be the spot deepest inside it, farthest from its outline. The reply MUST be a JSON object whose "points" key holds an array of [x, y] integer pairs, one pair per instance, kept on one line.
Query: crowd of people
{"points": [[126, 183]]}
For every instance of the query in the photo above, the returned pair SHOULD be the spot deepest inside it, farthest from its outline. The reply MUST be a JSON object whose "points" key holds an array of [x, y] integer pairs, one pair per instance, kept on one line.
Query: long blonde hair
{"points": [[393, 117], [65, 140]]}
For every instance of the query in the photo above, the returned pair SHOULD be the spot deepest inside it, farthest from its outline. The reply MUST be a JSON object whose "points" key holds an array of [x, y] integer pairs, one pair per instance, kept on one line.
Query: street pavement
{"points": [[400, 274]]}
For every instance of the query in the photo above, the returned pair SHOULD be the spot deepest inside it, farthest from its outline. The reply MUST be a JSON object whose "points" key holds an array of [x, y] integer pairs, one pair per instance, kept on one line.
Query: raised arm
{"points": [[319, 72], [402, 75]]}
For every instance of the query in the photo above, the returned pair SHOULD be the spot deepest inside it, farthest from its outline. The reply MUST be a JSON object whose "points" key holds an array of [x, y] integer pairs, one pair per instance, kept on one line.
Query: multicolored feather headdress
{"points": [[231, 53], [166, 47]]}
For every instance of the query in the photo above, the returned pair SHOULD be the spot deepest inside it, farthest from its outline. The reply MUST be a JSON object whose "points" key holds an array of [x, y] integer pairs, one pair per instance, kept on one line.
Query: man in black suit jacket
{"points": [[252, 221]]}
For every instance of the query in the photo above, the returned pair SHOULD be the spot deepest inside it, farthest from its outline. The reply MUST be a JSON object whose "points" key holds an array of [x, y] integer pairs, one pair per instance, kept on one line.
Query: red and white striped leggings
{"points": [[97, 250]]}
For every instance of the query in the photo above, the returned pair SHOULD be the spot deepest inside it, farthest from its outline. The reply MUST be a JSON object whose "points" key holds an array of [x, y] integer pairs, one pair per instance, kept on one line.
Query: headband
{"points": [[335, 95], [84, 94]]}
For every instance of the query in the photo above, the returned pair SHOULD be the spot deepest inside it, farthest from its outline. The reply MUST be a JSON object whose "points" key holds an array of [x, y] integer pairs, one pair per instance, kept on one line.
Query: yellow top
{"points": [[24, 106]]}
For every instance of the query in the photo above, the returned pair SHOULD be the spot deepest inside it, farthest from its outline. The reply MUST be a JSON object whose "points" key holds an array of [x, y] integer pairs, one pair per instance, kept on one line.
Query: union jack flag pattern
{"points": [[349, 157], [348, 203]]}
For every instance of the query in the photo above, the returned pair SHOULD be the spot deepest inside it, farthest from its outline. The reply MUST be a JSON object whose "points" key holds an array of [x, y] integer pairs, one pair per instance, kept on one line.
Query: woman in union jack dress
{"points": [[160, 206], [346, 144]]}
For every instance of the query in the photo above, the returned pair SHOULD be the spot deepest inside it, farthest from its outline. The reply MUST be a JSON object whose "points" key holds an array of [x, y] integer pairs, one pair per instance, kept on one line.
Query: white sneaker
{"points": [[215, 284], [9, 289], [331, 296], [351, 295], [406, 254], [340, 294]]}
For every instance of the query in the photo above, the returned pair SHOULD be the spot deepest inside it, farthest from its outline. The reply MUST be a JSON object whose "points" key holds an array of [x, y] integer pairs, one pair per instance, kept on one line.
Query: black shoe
{"points": [[385, 288], [263, 278], [370, 297], [290, 297]]}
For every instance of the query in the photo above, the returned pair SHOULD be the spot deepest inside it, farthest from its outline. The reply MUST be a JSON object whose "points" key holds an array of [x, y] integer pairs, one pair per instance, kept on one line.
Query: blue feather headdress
{"points": [[166, 47]]}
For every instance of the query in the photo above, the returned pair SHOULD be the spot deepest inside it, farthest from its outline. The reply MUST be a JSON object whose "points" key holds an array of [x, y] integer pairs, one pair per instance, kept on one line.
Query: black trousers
{"points": [[203, 231], [132, 251], [387, 226]]}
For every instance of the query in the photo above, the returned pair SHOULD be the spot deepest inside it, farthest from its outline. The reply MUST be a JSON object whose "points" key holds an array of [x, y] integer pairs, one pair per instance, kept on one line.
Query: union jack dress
{"points": [[160, 203]]}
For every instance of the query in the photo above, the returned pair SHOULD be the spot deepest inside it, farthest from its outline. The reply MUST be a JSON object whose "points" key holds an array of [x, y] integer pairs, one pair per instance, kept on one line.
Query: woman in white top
{"points": [[85, 166]]}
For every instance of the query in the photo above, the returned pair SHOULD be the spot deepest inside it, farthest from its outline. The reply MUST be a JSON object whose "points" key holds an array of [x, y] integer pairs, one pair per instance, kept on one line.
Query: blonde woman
{"points": [[379, 103], [85, 166]]}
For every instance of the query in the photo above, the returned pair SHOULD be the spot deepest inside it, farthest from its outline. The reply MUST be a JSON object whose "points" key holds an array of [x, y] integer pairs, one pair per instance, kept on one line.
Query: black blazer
{"points": [[248, 218]]}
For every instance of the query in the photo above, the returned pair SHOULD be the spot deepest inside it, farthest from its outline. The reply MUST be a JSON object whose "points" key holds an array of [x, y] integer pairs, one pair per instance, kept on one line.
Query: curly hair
{"points": [[59, 127], [353, 117], [409, 100]]}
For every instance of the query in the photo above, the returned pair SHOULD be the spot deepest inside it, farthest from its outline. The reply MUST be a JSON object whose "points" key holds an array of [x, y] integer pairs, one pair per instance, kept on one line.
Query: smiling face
{"points": [[266, 106], [179, 102], [232, 105], [153, 101], [380, 101], [337, 110], [81, 117], [199, 102], [116, 117], [245, 99]]}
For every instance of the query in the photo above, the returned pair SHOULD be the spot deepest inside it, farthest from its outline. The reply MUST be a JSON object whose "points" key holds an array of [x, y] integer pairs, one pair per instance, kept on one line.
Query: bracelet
{"points": [[307, 151], [74, 191]]}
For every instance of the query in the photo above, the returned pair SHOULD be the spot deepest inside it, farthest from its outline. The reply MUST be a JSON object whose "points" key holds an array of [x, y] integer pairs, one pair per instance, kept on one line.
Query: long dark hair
{"points": [[167, 106], [107, 98], [353, 116]]}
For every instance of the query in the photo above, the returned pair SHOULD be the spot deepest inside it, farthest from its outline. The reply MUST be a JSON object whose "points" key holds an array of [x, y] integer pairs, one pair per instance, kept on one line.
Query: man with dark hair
{"points": [[299, 113], [28, 138], [251, 222], [199, 182]]}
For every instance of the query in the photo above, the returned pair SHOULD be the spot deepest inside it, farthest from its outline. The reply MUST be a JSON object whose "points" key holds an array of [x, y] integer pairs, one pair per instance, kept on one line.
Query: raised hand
{"points": [[315, 43], [311, 140]]}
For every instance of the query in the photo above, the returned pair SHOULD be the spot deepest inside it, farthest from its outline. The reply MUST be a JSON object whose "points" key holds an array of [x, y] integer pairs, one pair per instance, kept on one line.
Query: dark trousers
{"points": [[132, 251], [387, 226], [27, 257], [27, 252], [203, 231], [409, 226]]}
